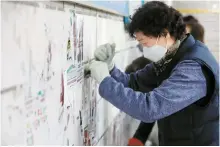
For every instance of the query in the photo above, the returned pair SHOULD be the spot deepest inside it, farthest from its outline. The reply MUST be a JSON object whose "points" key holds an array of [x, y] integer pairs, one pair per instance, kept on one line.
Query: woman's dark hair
{"points": [[197, 31], [190, 19], [155, 18]]}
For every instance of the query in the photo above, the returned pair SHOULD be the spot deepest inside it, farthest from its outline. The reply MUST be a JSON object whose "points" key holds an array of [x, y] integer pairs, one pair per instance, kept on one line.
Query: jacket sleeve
{"points": [[127, 80], [185, 86]]}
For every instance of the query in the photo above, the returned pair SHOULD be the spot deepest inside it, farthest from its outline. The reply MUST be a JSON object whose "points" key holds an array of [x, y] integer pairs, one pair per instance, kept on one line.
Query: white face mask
{"points": [[155, 52]]}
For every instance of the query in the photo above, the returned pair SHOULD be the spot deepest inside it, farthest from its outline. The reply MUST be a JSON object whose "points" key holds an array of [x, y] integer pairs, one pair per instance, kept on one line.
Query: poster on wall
{"points": [[14, 47], [15, 50], [44, 72], [73, 73], [73, 79], [45, 75]]}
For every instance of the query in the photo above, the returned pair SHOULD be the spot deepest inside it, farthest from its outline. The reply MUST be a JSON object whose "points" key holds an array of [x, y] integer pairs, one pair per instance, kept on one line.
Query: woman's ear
{"points": [[188, 29]]}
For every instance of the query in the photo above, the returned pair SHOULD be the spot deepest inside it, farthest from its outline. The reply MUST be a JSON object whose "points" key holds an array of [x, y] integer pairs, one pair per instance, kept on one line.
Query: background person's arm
{"points": [[142, 133]]}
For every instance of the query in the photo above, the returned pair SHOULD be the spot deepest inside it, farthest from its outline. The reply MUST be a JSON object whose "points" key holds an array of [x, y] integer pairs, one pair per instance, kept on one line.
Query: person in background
{"points": [[180, 90], [194, 28], [144, 129], [137, 64]]}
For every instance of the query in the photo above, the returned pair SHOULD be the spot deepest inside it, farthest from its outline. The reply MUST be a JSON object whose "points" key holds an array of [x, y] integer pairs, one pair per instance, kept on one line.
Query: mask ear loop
{"points": [[157, 39], [166, 43]]}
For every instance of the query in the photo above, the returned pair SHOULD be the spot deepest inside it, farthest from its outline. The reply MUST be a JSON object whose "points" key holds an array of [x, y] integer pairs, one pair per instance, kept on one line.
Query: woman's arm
{"points": [[185, 86]]}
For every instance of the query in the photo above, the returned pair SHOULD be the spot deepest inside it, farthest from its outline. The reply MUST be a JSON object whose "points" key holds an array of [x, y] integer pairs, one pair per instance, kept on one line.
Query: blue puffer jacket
{"points": [[187, 110]]}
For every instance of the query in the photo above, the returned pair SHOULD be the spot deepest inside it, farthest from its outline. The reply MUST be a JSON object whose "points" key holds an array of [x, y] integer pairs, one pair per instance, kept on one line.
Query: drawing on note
{"points": [[86, 137], [77, 33], [74, 31], [69, 56], [70, 43], [80, 41], [62, 90]]}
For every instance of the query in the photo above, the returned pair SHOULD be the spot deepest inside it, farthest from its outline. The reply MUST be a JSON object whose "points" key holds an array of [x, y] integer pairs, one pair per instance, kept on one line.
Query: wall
{"points": [[44, 98], [36, 107]]}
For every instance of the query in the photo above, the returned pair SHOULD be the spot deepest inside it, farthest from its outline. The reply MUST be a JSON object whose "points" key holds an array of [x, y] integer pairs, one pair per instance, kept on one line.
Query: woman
{"points": [[144, 129], [179, 91], [194, 28]]}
